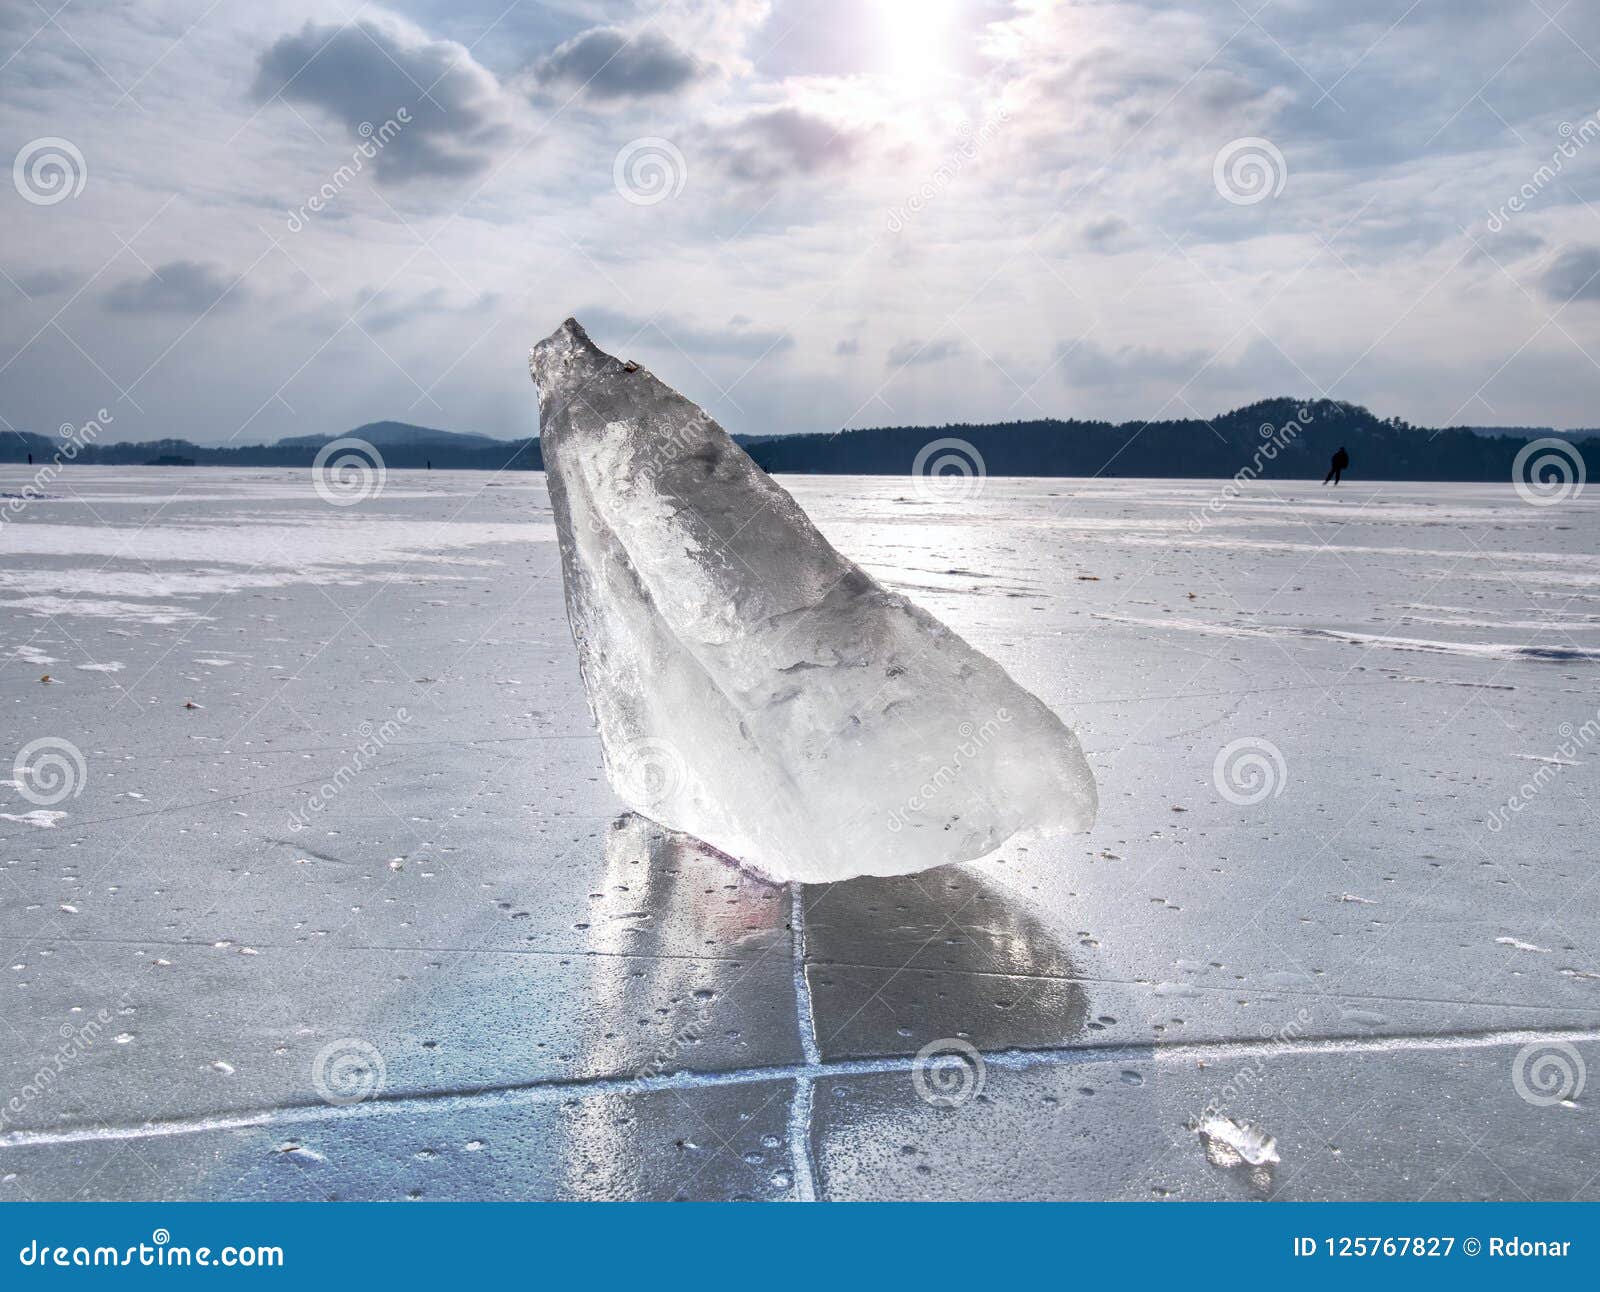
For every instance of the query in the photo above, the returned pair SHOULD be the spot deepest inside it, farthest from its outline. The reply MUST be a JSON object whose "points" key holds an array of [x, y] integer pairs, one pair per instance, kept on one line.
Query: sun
{"points": [[915, 35]]}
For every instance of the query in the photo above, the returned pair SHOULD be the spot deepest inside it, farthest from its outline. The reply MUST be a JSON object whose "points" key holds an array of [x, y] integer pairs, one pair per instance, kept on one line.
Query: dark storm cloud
{"points": [[606, 63], [363, 75], [1574, 275], [178, 287], [908, 353], [774, 143]]}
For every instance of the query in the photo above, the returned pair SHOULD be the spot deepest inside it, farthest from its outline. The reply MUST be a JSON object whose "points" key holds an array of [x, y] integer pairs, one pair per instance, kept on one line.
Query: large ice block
{"points": [[754, 688]]}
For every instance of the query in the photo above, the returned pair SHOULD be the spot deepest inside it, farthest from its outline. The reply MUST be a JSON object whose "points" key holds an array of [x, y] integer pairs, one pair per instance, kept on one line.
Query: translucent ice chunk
{"points": [[1229, 1143], [754, 688]]}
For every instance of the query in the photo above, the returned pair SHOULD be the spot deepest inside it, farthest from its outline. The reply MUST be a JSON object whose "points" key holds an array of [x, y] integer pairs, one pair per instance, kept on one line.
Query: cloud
{"points": [[1105, 233], [914, 352], [772, 144], [1086, 363], [362, 74], [1157, 376], [739, 338], [1505, 247], [178, 287], [1151, 76], [848, 346], [383, 311], [43, 282], [1574, 275], [608, 63]]}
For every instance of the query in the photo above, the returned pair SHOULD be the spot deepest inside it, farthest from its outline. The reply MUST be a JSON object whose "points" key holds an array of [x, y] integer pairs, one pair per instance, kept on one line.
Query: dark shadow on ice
{"points": [[894, 963]]}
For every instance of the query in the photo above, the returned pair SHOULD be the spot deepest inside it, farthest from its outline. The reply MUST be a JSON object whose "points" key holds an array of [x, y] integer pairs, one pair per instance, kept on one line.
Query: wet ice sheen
{"points": [[753, 687]]}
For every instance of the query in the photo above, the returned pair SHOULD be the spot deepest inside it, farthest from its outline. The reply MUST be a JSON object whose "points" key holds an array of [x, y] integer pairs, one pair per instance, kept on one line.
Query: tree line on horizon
{"points": [[1303, 437]]}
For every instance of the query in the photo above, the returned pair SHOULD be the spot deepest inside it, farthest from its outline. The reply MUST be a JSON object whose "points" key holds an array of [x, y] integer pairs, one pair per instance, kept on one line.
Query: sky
{"points": [[230, 222]]}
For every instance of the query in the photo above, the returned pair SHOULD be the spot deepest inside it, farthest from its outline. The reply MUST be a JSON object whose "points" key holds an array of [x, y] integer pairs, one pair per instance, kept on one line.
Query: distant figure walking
{"points": [[1341, 464]]}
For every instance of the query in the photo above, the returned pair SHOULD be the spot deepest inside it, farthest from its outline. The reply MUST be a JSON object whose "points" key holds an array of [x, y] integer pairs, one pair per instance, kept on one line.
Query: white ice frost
{"points": [[753, 687]]}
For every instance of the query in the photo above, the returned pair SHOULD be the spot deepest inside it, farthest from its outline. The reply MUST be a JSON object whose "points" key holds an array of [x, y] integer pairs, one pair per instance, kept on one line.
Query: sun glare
{"points": [[915, 36]]}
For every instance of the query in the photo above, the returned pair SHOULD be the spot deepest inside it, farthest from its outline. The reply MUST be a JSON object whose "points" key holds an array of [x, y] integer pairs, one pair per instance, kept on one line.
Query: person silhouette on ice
{"points": [[1341, 463]]}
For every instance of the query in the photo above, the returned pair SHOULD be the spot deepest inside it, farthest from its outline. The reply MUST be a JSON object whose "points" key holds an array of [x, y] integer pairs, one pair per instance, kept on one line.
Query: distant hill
{"points": [[399, 443], [1217, 447], [398, 435], [1303, 438]]}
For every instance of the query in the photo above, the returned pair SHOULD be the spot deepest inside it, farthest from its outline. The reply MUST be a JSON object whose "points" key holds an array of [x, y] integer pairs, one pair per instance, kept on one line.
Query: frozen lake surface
{"points": [[313, 886]]}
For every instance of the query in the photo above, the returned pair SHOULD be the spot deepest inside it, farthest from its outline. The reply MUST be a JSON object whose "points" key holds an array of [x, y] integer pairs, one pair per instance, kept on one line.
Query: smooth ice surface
{"points": [[572, 1005], [753, 687], [1365, 1123]]}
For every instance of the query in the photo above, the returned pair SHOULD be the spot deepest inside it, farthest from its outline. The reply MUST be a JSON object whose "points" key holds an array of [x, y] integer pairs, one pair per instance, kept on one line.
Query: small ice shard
{"points": [[1230, 1143], [754, 688], [40, 817]]}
